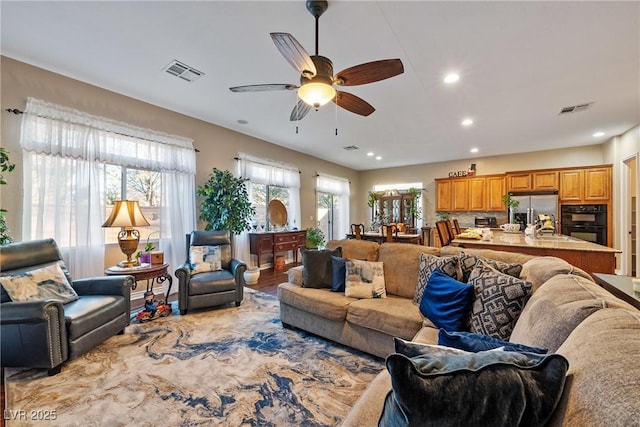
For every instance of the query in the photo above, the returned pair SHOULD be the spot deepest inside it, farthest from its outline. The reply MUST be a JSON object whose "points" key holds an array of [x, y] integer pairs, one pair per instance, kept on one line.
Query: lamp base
{"points": [[128, 264]]}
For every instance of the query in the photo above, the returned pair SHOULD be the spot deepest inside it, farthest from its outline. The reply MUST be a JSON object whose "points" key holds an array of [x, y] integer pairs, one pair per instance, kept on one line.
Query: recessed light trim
{"points": [[474, 150], [467, 122], [370, 153], [598, 134], [378, 157], [451, 78]]}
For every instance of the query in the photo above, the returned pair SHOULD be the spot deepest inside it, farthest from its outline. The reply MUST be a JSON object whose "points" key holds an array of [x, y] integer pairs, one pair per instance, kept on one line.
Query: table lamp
{"points": [[127, 214]]}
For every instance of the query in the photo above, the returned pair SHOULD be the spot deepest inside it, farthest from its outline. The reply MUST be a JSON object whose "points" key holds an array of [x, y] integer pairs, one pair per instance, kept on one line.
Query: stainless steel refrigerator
{"points": [[533, 205]]}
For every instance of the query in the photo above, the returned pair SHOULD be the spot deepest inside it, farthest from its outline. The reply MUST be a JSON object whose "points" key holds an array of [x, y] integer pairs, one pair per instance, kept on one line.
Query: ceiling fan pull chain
{"points": [[336, 118]]}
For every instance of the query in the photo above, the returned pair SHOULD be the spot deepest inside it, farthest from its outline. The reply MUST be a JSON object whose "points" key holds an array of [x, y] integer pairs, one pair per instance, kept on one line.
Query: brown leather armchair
{"points": [[44, 334], [211, 288]]}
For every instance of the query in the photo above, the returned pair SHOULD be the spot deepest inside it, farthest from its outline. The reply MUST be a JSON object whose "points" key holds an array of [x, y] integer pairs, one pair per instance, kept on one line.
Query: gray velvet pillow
{"points": [[317, 271], [490, 388]]}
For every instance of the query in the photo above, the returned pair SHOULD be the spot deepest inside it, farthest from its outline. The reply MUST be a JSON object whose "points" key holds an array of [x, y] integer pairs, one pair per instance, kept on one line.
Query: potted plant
{"points": [[511, 204], [416, 211], [443, 216], [315, 238], [225, 204], [5, 166]]}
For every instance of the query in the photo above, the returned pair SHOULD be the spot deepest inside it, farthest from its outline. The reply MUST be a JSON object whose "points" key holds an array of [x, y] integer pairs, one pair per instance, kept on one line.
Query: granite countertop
{"points": [[556, 241]]}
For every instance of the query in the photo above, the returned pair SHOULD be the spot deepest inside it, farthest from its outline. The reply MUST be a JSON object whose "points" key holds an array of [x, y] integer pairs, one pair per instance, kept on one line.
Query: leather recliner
{"points": [[211, 288], [44, 334]]}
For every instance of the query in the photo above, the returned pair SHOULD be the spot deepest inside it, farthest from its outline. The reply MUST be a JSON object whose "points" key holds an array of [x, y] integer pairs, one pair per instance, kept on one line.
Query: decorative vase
{"points": [[251, 276], [145, 258]]}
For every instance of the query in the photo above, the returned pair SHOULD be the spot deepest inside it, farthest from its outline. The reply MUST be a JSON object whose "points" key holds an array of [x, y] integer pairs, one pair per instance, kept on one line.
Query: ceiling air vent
{"points": [[185, 72], [351, 148], [576, 108]]}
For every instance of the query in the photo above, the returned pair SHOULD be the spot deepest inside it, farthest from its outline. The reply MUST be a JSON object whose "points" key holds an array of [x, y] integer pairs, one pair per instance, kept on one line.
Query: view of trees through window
{"points": [[328, 206], [133, 184], [261, 195]]}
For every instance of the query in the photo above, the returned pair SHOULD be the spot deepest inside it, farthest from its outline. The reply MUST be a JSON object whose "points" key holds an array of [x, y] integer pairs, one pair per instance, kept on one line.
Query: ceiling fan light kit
{"points": [[316, 74]]}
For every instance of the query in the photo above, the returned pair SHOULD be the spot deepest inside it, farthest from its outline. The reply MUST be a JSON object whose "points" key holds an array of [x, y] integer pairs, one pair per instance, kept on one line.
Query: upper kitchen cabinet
{"points": [[477, 193], [495, 188], [443, 195], [586, 185], [460, 194], [532, 181]]}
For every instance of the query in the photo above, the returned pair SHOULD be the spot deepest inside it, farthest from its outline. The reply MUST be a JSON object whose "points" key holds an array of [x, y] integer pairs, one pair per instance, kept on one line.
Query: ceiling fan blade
{"points": [[263, 88], [294, 53], [299, 111], [369, 72], [353, 103]]}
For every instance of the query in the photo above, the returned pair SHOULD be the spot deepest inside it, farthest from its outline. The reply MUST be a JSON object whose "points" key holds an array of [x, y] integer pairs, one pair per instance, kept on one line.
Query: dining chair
{"points": [[389, 231], [357, 230], [443, 233], [456, 226]]}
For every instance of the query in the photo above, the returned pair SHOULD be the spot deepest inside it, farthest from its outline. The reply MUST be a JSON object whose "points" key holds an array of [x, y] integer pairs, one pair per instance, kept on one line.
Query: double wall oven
{"points": [[586, 222]]}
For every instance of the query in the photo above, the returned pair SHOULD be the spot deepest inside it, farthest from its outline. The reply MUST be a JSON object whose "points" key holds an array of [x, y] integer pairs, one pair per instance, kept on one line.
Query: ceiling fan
{"points": [[316, 74]]}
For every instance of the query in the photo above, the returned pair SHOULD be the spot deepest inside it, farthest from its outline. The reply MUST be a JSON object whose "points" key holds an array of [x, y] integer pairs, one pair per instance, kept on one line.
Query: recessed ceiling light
{"points": [[378, 157], [370, 153], [598, 134], [451, 78], [474, 150], [467, 122], [243, 122]]}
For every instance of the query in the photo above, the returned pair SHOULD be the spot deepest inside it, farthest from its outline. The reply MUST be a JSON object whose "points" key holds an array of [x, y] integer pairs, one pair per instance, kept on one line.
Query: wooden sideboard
{"points": [[279, 241]]}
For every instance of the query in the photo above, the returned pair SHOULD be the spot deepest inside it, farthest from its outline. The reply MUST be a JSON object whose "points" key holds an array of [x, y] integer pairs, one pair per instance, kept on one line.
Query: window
{"points": [[124, 183], [332, 206], [77, 164], [261, 195]]}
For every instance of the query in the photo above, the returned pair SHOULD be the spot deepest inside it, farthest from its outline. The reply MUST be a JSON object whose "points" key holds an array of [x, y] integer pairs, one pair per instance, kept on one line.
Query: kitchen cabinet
{"points": [[460, 194], [586, 185], [495, 189], [477, 193], [443, 195], [532, 181]]}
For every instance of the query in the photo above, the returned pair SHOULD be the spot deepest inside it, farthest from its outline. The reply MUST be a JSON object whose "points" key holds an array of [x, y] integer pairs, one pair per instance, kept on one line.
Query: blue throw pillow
{"points": [[468, 341], [338, 273], [446, 301]]}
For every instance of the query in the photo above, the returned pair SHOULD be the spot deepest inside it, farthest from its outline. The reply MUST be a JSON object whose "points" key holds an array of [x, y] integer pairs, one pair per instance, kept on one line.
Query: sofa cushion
{"points": [[539, 270], [356, 249], [467, 262], [321, 302], [414, 349], [468, 341], [90, 312], [338, 273], [466, 388], [364, 279], [212, 282], [39, 284], [446, 302], [603, 380], [401, 266], [427, 265], [557, 307], [294, 275], [317, 271], [509, 257], [393, 315], [498, 301]]}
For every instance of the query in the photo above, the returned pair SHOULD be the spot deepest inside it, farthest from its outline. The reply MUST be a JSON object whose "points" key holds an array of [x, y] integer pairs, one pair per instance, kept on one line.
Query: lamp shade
{"points": [[316, 94], [126, 213]]}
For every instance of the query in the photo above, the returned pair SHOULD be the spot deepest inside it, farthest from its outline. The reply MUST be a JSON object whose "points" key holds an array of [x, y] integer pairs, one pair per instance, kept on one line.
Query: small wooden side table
{"points": [[620, 286], [149, 272]]}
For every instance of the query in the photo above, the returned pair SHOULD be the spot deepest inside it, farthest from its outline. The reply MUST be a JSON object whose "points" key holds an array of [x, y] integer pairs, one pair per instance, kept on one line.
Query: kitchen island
{"points": [[590, 257]]}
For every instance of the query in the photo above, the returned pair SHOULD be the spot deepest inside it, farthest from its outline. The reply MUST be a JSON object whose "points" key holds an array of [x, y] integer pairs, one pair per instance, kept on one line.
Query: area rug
{"points": [[231, 366]]}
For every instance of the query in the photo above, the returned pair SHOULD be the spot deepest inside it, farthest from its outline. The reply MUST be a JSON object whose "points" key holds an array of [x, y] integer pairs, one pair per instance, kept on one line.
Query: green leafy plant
{"points": [[373, 198], [510, 202], [5, 166], [225, 204], [315, 238], [416, 210], [443, 216]]}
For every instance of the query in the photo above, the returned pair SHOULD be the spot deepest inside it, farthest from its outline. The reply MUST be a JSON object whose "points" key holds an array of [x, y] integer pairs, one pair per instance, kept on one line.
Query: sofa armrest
{"points": [[105, 285], [33, 334]]}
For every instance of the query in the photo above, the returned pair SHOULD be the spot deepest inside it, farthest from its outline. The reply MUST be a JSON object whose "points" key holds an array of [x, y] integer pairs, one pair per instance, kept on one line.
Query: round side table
{"points": [[149, 272]]}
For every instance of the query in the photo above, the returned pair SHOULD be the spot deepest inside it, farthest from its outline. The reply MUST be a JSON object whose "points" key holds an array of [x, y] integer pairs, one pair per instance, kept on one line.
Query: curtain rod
{"points": [[14, 111]]}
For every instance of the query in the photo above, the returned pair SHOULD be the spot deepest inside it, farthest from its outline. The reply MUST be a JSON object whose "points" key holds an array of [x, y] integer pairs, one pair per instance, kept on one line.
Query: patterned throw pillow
{"points": [[365, 279], [498, 301], [205, 258], [40, 284], [468, 262], [428, 264]]}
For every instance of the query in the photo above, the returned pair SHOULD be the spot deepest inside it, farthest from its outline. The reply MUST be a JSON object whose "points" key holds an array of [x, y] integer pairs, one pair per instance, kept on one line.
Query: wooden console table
{"points": [[278, 241]]}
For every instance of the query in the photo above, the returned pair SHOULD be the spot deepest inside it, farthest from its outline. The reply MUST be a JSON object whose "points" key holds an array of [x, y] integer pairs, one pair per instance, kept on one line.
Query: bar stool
{"points": [[456, 226], [443, 233]]}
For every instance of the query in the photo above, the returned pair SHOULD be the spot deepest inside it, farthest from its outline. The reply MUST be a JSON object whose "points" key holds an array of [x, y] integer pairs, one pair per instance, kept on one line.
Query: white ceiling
{"points": [[519, 62]]}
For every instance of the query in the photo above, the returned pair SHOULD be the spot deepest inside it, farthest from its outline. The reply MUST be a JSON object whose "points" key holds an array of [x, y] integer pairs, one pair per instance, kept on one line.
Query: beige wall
{"points": [[218, 146]]}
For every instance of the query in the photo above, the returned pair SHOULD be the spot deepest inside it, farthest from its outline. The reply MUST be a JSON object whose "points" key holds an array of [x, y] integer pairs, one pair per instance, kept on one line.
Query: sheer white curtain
{"points": [[65, 153], [268, 172], [339, 187]]}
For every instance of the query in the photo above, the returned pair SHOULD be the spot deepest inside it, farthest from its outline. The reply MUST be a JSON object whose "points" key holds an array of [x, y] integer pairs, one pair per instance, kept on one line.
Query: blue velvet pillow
{"points": [[338, 273], [446, 301], [468, 341]]}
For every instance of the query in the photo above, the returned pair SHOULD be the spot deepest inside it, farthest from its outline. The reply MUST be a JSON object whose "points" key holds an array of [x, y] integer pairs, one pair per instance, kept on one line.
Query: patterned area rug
{"points": [[232, 366]]}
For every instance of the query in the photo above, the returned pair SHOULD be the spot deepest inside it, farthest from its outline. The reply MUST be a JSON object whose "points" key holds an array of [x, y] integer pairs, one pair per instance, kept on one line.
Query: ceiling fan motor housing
{"points": [[324, 71]]}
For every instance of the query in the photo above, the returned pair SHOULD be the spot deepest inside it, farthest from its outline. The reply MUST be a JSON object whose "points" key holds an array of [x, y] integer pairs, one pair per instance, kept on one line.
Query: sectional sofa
{"points": [[567, 313]]}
